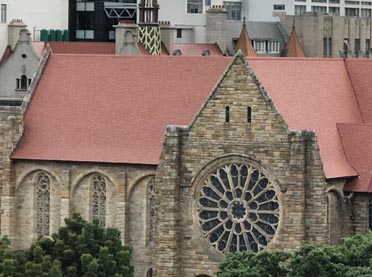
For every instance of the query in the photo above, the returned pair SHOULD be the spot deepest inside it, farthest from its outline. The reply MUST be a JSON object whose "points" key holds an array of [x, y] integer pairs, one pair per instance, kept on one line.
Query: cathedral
{"points": [[190, 158]]}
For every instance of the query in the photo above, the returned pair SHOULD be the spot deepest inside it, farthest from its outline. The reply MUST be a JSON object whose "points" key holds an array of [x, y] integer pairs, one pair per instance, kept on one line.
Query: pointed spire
{"points": [[244, 43], [294, 47]]}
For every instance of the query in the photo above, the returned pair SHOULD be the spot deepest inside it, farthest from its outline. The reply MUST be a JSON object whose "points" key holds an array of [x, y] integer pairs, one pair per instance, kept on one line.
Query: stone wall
{"points": [[10, 132], [290, 160], [71, 191]]}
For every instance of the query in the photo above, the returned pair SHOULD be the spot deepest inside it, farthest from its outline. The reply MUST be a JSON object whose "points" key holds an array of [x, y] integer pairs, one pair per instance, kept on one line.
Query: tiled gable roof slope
{"points": [[313, 94], [104, 108], [75, 47], [115, 109], [357, 142], [356, 138], [196, 49]]}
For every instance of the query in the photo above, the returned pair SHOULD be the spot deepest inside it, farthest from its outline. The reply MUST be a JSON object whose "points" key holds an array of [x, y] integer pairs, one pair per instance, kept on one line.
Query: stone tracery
{"points": [[238, 209], [42, 204], [99, 199]]}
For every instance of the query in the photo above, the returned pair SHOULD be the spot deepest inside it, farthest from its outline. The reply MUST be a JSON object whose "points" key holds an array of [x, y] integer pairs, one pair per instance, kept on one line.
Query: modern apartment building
{"points": [[334, 7]]}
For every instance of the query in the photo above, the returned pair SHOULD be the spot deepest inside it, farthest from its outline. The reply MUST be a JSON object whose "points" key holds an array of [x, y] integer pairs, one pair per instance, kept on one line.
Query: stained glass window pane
{"points": [[99, 199], [151, 208], [42, 204]]}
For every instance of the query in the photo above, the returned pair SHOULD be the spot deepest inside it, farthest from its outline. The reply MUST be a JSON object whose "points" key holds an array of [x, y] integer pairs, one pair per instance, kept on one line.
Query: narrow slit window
{"points": [[24, 82], [227, 114], [249, 115]]}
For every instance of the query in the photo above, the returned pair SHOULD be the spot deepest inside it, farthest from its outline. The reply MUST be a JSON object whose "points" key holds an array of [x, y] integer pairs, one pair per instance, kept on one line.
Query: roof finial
{"points": [[294, 24], [244, 21]]}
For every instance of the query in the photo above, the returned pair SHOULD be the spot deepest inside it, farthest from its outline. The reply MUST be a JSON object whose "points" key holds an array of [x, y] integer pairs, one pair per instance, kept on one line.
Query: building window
{"points": [[194, 6], [259, 46], [42, 204], [249, 115], [179, 33], [151, 208], [273, 47], [279, 7], [319, 1], [233, 10], [351, 12], [99, 199], [300, 10], [3, 13], [208, 3], [368, 45], [319, 9], [238, 208], [334, 1], [334, 10], [85, 6], [227, 114], [357, 45], [352, 3], [327, 47], [23, 83], [366, 12]]}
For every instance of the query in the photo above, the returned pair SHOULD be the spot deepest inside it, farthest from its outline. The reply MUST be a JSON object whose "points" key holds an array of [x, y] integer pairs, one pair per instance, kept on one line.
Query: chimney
{"points": [[125, 38], [216, 29], [14, 28], [148, 26], [167, 35]]}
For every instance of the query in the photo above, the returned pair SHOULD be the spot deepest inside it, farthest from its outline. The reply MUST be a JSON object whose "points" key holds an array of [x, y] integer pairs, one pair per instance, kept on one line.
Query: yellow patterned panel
{"points": [[149, 36]]}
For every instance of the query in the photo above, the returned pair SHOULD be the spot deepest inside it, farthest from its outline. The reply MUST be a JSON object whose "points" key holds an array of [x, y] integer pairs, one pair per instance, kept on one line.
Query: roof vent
{"points": [[177, 52], [206, 52]]}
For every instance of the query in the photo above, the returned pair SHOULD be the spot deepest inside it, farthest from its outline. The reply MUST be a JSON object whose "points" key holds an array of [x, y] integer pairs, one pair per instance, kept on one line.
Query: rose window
{"points": [[238, 209]]}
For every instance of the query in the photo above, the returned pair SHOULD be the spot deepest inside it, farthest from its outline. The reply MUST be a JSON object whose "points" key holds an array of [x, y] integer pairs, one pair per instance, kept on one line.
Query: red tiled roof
{"points": [[113, 108], [74, 47], [313, 94], [360, 75], [7, 53], [39, 47], [196, 49], [116, 109], [357, 142]]}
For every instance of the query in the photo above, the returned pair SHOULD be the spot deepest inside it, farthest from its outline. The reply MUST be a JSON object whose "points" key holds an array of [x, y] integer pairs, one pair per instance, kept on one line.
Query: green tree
{"points": [[84, 249], [353, 258]]}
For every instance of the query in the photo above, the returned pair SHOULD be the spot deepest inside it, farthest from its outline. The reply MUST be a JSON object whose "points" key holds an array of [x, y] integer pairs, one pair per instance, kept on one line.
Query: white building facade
{"points": [[36, 14]]}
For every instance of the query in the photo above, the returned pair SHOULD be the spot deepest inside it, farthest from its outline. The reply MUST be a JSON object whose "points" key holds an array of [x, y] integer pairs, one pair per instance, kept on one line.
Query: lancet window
{"points": [[151, 208], [99, 199], [42, 204]]}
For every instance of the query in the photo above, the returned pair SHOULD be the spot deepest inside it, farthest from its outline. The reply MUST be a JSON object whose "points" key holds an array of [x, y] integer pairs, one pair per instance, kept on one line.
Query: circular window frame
{"points": [[198, 182]]}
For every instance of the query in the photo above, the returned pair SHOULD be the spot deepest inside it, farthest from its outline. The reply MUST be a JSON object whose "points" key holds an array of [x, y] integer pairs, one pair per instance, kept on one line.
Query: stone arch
{"points": [[335, 215], [137, 227], [26, 206], [87, 173], [81, 196], [26, 174]]}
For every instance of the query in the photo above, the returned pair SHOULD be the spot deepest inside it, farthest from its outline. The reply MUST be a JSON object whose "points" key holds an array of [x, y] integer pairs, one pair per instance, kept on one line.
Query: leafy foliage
{"points": [[351, 259], [79, 249]]}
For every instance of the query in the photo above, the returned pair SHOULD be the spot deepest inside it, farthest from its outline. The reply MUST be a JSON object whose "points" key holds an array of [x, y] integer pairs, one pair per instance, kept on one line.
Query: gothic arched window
{"points": [[238, 208], [99, 199], [42, 204], [151, 208], [24, 81]]}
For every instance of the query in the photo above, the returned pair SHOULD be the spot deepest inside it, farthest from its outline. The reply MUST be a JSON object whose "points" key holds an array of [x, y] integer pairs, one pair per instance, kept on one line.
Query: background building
{"points": [[36, 14]]}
